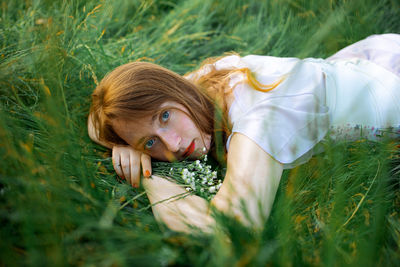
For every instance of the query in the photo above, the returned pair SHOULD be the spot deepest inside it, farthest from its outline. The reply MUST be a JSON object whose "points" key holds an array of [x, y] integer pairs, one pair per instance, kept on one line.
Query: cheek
{"points": [[163, 155], [186, 125]]}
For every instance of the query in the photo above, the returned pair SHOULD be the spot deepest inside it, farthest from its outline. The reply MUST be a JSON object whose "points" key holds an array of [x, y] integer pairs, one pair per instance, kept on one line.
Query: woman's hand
{"points": [[127, 161], [247, 193], [174, 206]]}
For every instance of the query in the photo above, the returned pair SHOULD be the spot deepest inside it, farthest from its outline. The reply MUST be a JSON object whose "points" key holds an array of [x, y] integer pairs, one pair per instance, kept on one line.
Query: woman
{"points": [[275, 112]]}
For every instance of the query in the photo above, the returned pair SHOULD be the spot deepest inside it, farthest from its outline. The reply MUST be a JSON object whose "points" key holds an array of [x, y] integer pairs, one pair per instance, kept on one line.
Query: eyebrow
{"points": [[153, 118]]}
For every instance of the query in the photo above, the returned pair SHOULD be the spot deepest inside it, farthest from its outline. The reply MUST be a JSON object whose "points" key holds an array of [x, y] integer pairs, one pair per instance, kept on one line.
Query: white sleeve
{"points": [[288, 121]]}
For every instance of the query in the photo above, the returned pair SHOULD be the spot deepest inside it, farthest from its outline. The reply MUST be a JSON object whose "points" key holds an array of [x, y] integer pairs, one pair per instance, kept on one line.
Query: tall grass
{"points": [[61, 202]]}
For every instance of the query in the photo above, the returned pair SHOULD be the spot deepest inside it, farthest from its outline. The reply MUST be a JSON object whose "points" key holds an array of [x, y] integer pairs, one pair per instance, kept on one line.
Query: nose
{"points": [[171, 139]]}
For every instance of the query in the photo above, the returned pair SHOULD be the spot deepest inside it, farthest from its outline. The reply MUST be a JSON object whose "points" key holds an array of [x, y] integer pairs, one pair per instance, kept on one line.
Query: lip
{"points": [[189, 150]]}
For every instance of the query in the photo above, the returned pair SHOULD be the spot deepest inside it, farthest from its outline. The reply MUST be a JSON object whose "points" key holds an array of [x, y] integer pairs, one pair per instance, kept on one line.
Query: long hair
{"points": [[216, 82], [138, 89]]}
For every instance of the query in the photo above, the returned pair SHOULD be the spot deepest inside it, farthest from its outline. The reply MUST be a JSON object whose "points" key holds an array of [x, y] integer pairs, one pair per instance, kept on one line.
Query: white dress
{"points": [[353, 94]]}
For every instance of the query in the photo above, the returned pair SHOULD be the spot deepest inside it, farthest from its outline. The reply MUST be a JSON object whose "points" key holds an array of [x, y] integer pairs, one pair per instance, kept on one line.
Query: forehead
{"points": [[131, 130]]}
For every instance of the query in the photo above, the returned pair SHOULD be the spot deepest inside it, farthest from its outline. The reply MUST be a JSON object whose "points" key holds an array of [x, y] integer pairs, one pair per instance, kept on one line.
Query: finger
{"points": [[116, 159], [146, 165], [125, 167], [135, 170]]}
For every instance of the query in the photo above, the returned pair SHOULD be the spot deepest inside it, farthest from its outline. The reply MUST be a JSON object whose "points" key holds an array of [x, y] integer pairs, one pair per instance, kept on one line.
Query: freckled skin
{"points": [[172, 134]]}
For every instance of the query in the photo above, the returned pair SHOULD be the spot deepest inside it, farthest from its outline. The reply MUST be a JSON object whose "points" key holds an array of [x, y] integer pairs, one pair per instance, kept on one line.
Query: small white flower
{"points": [[188, 189], [211, 189], [202, 190]]}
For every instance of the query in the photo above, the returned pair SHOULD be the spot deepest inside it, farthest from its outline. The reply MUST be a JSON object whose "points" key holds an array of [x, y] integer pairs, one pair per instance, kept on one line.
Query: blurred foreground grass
{"points": [[60, 201]]}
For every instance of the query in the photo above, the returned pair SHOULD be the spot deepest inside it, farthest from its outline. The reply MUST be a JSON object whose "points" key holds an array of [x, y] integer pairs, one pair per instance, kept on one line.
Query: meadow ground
{"points": [[60, 201]]}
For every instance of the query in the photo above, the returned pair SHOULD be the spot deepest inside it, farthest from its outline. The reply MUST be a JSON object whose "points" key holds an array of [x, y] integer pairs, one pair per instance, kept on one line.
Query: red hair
{"points": [[137, 89]]}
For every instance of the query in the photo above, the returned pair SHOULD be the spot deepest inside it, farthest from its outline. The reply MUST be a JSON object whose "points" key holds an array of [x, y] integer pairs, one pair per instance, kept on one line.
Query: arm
{"points": [[178, 213], [252, 176], [252, 179]]}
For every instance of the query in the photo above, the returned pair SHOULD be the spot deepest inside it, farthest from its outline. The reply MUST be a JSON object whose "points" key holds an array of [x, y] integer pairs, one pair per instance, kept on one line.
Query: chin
{"points": [[194, 157], [198, 154]]}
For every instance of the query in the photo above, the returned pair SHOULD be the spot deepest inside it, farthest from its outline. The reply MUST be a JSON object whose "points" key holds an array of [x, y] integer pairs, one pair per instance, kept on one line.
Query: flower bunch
{"points": [[198, 177]]}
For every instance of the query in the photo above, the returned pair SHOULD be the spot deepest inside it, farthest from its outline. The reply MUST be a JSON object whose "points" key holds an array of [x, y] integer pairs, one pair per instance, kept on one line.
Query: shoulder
{"points": [[222, 63], [257, 64]]}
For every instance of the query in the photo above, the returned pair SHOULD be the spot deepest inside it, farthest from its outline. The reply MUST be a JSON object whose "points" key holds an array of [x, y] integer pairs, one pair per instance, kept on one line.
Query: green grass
{"points": [[61, 203]]}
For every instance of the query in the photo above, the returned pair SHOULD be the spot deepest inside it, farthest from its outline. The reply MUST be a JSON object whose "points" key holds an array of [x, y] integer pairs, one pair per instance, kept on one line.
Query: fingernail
{"points": [[147, 173]]}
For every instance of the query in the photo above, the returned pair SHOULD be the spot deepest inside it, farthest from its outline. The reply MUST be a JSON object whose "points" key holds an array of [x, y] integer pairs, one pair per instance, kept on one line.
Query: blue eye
{"points": [[165, 116], [149, 143]]}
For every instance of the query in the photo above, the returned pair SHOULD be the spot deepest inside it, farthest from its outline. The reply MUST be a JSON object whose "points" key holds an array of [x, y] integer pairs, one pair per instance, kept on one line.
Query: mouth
{"points": [[189, 150]]}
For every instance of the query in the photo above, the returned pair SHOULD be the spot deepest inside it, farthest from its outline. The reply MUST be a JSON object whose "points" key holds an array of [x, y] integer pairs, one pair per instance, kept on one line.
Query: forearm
{"points": [[251, 183], [173, 206], [251, 204], [248, 191]]}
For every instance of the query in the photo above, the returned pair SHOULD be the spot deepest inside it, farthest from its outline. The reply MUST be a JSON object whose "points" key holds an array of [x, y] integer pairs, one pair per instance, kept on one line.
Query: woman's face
{"points": [[168, 135]]}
